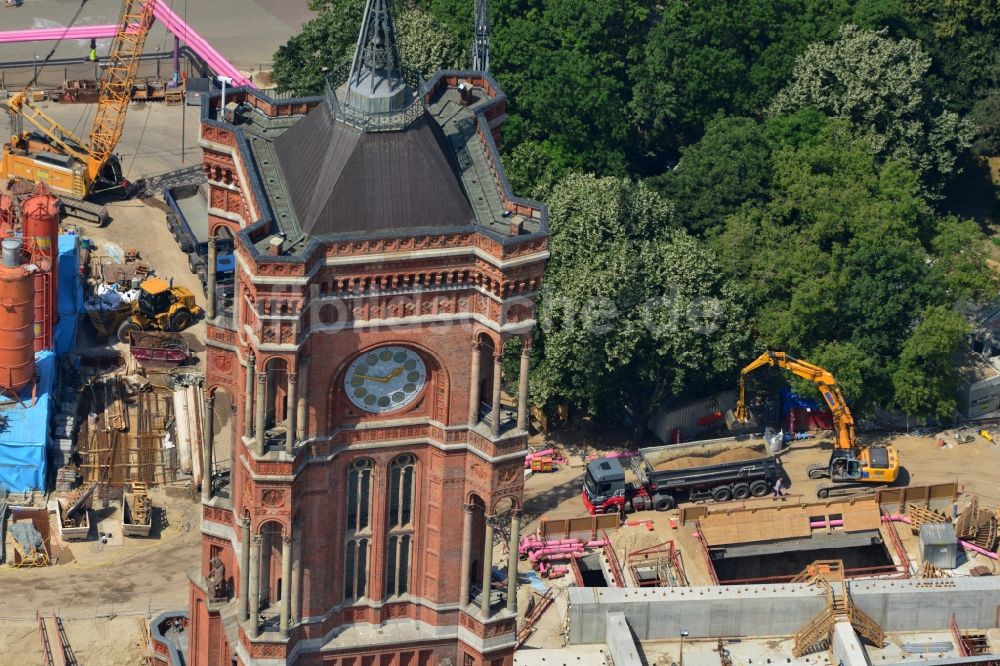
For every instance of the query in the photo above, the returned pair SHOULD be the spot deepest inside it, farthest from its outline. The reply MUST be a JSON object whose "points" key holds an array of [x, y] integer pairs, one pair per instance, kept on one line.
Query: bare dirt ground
{"points": [[99, 590], [557, 495]]}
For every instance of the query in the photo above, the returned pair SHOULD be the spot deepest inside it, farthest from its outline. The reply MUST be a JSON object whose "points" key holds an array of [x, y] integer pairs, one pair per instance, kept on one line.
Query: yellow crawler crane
{"points": [[75, 169]]}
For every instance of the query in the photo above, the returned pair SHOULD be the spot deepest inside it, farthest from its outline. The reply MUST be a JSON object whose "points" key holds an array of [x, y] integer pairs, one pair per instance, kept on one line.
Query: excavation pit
{"points": [[776, 544]]}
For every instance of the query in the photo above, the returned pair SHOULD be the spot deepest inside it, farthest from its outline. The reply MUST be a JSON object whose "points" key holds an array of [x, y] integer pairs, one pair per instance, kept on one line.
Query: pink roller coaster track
{"points": [[163, 14]]}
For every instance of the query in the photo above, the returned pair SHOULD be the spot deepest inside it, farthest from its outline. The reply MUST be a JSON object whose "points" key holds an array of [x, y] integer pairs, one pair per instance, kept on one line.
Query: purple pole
{"points": [[177, 60]]}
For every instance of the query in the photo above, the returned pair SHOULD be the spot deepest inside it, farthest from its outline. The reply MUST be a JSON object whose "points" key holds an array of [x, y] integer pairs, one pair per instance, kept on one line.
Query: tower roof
{"points": [[342, 179]]}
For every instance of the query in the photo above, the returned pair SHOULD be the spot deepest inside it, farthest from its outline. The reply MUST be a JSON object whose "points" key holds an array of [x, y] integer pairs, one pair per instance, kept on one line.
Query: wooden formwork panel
{"points": [[935, 496], [787, 522], [566, 527]]}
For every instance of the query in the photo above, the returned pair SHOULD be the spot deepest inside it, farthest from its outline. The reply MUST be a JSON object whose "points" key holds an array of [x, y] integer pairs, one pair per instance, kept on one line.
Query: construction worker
{"points": [[93, 50]]}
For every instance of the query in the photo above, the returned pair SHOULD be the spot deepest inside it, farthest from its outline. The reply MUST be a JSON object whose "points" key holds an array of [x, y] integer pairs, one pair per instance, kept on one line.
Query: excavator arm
{"points": [[842, 419]]}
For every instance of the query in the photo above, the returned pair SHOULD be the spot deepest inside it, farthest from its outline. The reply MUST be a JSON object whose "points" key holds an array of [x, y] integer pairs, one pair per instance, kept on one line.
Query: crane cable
{"points": [[52, 52]]}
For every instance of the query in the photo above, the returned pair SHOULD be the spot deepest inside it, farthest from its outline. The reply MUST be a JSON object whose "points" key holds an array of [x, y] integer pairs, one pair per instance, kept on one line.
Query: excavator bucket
{"points": [[733, 423]]}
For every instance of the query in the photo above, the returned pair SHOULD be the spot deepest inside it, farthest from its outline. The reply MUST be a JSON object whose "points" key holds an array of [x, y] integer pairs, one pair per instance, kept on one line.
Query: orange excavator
{"points": [[73, 168], [851, 469]]}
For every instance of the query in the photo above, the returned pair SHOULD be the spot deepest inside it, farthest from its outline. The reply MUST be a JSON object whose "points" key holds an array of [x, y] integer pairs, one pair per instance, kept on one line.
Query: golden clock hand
{"points": [[395, 373], [374, 379]]}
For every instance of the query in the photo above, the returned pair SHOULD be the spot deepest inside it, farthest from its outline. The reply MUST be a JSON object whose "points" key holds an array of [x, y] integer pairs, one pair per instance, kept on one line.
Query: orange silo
{"points": [[40, 215], [6, 215], [17, 354]]}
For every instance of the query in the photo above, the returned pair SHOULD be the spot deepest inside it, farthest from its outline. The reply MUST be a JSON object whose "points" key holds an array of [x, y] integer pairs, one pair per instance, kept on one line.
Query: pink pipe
{"points": [[559, 556], [539, 454], [896, 518], [545, 552], [976, 549], [824, 523], [198, 44], [560, 569], [600, 543], [164, 15], [53, 34]]}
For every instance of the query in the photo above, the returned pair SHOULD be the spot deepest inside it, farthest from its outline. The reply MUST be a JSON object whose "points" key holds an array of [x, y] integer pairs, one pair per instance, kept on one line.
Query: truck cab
{"points": [[604, 486]]}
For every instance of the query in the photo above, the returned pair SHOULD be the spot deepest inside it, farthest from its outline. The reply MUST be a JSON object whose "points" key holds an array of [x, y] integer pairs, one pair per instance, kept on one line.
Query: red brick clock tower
{"points": [[365, 470]]}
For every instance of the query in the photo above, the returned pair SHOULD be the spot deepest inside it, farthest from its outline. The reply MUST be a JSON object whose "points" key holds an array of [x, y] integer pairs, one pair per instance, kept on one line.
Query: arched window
{"points": [[358, 538], [399, 545], [356, 569], [401, 491], [359, 495]]}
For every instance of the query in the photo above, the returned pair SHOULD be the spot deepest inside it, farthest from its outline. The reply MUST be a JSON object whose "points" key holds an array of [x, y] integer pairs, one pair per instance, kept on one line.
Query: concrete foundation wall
{"points": [[846, 647], [621, 646], [780, 610]]}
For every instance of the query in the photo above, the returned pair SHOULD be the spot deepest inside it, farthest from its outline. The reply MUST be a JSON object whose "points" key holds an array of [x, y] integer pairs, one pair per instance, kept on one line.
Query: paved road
{"points": [[246, 31]]}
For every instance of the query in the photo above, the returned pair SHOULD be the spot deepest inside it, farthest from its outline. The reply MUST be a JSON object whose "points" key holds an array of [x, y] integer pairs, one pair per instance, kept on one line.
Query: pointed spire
{"points": [[481, 41], [376, 73]]}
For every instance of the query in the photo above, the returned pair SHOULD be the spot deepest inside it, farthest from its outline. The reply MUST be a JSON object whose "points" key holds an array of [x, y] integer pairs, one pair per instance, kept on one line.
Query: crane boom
{"points": [[843, 421], [116, 85], [58, 135]]}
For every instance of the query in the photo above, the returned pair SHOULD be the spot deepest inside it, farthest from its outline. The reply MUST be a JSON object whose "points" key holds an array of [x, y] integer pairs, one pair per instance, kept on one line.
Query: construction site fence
{"points": [[937, 496], [14, 76]]}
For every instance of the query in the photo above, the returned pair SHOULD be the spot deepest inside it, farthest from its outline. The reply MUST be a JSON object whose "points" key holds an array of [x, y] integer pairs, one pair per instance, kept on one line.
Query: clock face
{"points": [[385, 379]]}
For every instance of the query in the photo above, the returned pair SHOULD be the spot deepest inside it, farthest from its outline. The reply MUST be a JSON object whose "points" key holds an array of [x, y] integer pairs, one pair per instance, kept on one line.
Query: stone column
{"points": [[512, 558], [466, 555], [286, 585], [210, 284], [248, 406], [484, 602], [522, 389], [255, 586], [300, 408], [293, 399], [477, 355], [244, 569], [296, 595], [497, 370], [261, 403], [207, 445]]}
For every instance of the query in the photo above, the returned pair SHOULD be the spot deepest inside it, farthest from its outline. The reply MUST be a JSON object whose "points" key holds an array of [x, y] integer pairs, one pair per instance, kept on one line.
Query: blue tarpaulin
{"points": [[790, 401], [69, 295], [24, 430], [24, 423]]}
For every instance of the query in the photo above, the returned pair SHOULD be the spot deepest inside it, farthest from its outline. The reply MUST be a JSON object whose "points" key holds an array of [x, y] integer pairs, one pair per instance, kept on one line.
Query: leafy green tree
{"points": [[842, 254], [728, 167], [985, 116], [852, 367], [563, 65], [300, 65], [702, 59], [634, 310], [426, 45], [328, 41], [926, 378], [878, 84]]}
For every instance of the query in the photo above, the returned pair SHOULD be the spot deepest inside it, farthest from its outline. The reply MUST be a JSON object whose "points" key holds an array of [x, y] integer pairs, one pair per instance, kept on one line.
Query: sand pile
{"points": [[729, 455]]}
